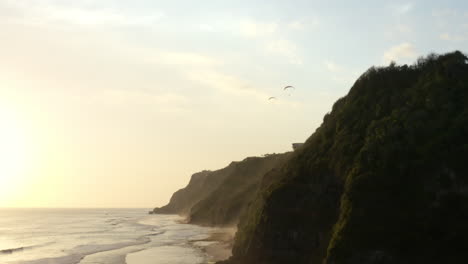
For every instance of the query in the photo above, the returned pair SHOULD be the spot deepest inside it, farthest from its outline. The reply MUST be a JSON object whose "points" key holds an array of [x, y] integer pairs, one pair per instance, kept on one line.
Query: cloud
{"points": [[206, 27], [181, 58], [398, 30], [224, 82], [303, 24], [446, 12], [99, 17], [47, 12], [403, 9], [162, 102], [404, 51], [333, 67], [270, 37], [297, 25], [453, 38], [234, 86], [206, 71], [402, 28], [445, 36], [341, 74], [255, 29], [284, 48]]}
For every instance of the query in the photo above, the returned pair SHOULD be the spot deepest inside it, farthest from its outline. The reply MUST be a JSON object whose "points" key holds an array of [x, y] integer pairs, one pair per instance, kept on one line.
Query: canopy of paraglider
{"points": [[287, 90]]}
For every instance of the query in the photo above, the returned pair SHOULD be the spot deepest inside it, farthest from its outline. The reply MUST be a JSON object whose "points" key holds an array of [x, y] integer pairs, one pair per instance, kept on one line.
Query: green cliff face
{"points": [[218, 198], [384, 179]]}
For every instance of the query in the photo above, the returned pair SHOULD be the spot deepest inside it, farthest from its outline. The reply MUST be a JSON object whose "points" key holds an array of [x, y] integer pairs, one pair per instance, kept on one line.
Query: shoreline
{"points": [[218, 245]]}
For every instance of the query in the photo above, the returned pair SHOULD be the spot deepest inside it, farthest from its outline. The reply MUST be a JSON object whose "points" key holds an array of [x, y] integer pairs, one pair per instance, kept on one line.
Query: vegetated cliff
{"points": [[224, 205], [384, 179], [217, 198]]}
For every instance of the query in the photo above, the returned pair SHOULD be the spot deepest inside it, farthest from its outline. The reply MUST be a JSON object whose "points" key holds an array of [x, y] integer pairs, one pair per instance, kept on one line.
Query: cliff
{"points": [[218, 198], [225, 204], [200, 185], [384, 179]]}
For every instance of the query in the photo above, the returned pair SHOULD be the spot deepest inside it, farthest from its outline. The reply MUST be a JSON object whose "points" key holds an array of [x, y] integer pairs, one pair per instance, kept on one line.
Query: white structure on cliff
{"points": [[295, 146]]}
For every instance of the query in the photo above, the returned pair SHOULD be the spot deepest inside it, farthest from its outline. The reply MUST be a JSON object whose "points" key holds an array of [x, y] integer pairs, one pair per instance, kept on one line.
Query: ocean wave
{"points": [[76, 254], [69, 259], [9, 251], [157, 233]]}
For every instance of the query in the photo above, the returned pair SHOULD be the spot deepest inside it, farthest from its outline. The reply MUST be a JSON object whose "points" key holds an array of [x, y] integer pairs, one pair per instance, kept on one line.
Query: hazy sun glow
{"points": [[117, 103], [13, 154]]}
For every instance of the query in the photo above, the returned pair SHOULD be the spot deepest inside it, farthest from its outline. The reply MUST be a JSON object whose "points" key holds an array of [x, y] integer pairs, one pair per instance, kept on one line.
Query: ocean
{"points": [[98, 236]]}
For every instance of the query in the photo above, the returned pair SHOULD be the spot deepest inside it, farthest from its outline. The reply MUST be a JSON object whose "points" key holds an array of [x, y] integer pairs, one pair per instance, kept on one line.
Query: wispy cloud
{"points": [[204, 70], [207, 72], [99, 17], [296, 25], [303, 24], [205, 27], [451, 24], [445, 12], [453, 37], [398, 30], [180, 58], [284, 48], [234, 86], [49, 12], [224, 82], [255, 29], [403, 28], [404, 51], [333, 67], [131, 98], [340, 73], [271, 38], [402, 9]]}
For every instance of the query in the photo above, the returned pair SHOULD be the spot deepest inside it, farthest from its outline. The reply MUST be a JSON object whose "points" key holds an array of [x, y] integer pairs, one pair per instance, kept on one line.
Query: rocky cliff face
{"points": [[384, 179], [217, 198]]}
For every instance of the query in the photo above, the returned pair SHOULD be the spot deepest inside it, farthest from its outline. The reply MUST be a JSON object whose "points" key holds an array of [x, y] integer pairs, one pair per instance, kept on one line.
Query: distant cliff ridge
{"points": [[200, 185], [384, 179], [218, 198]]}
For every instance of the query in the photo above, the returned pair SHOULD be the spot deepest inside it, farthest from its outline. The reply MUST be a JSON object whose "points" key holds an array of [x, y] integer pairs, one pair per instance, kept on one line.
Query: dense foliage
{"points": [[384, 179]]}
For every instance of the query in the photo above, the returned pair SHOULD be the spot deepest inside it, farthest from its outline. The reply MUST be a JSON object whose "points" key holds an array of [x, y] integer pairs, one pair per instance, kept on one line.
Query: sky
{"points": [[113, 103]]}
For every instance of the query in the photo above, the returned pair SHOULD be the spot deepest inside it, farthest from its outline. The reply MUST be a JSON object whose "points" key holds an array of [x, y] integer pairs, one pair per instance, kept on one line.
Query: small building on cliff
{"points": [[296, 146]]}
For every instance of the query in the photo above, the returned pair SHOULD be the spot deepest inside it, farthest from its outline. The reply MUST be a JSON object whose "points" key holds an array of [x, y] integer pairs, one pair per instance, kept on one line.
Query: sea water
{"points": [[92, 236]]}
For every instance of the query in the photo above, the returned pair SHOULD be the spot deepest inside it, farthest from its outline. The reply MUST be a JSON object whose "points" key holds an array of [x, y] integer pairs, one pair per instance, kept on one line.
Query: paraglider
{"points": [[289, 88]]}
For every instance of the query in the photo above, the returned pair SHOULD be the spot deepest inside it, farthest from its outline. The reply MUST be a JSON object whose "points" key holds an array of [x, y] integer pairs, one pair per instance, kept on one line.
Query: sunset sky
{"points": [[113, 103]]}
